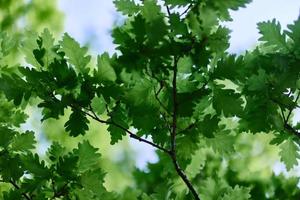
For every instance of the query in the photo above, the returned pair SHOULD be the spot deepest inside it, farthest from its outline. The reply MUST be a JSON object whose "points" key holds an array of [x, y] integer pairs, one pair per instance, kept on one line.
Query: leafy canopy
{"points": [[173, 86]]}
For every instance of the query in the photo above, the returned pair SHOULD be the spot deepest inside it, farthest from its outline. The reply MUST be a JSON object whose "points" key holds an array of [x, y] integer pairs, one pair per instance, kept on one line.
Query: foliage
{"points": [[173, 86]]}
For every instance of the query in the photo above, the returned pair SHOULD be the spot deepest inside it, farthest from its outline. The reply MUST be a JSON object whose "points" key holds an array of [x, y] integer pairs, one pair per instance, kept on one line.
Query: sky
{"points": [[90, 22]]}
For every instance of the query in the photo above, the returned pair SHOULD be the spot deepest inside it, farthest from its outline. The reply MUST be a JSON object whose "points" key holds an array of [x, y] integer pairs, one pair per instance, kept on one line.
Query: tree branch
{"points": [[290, 129], [285, 119], [175, 107], [18, 188], [131, 134], [173, 155]]}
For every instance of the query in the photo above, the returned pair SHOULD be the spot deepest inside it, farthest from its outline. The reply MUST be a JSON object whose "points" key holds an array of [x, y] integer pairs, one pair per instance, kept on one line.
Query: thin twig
{"points": [[291, 110], [17, 187], [186, 10], [285, 119], [131, 134], [189, 127], [159, 101], [168, 10], [290, 129], [282, 114]]}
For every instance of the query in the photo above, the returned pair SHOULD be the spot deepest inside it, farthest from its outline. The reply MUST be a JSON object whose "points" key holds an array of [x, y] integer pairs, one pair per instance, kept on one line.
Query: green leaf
{"points": [[98, 105], [32, 164], [212, 189], [14, 88], [12, 195], [151, 10], [8, 43], [11, 167], [222, 143], [29, 44], [51, 108], [6, 136], [141, 95], [228, 102], [105, 71], [126, 7], [185, 64], [117, 117], [294, 31], [219, 40], [92, 182], [88, 158], [223, 7], [23, 142], [48, 45], [67, 168], [55, 152], [294, 34], [208, 125], [229, 67], [237, 193], [208, 20], [187, 145], [76, 54], [257, 82], [230, 4], [77, 123], [272, 36], [289, 153], [156, 27], [175, 3]]}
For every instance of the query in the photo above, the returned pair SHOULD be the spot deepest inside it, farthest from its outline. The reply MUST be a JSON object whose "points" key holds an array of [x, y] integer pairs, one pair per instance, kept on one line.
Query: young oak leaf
{"points": [[272, 36], [56, 151], [117, 116], [294, 31], [6, 135], [105, 71], [92, 182], [88, 158], [228, 102], [32, 164], [77, 123], [23, 142], [28, 45], [126, 7], [76, 54], [289, 153], [222, 143], [175, 3], [48, 45], [238, 193]]}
